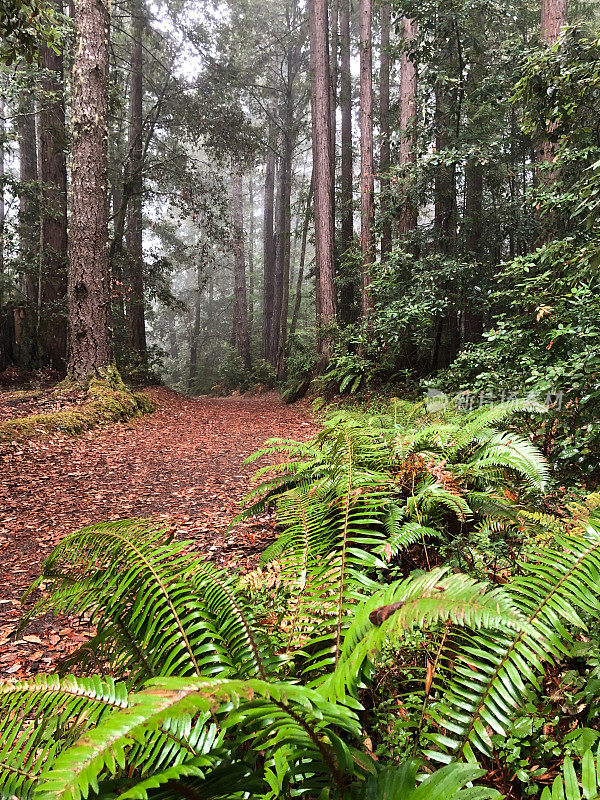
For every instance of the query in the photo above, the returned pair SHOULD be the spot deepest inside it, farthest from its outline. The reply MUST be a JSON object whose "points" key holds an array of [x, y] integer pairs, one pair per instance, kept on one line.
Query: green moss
{"points": [[108, 401]]}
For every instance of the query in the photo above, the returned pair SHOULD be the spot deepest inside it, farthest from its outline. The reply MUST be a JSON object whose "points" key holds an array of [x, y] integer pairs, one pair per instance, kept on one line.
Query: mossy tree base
{"points": [[108, 401]]}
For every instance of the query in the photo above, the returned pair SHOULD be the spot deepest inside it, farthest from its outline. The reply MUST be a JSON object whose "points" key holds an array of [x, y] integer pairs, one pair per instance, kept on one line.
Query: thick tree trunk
{"points": [[268, 243], [90, 346], [53, 175], [321, 118], [367, 208], [135, 255], [2, 206], [408, 110], [240, 304], [553, 20], [333, 98], [384, 128], [346, 202]]}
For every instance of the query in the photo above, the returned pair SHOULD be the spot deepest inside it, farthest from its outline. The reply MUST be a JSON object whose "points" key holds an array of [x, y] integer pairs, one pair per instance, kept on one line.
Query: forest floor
{"points": [[183, 465]]}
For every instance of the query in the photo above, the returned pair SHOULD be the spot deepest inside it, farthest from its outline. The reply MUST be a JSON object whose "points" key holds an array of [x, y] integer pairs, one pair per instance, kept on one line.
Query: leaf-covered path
{"points": [[183, 464]]}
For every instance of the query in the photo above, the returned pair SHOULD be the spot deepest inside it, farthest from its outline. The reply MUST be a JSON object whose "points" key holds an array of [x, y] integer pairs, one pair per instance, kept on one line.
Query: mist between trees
{"points": [[261, 192]]}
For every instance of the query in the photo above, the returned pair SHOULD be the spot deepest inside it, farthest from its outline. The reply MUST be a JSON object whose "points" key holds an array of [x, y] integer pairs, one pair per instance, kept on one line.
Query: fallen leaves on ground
{"points": [[182, 464]]}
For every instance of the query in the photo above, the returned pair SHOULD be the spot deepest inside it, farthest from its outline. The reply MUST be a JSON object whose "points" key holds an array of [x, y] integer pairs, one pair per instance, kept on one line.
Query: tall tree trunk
{"points": [[28, 199], [194, 336], [553, 19], [26, 315], [473, 207], [384, 128], [242, 331], [324, 234], [279, 244], [333, 98], [285, 249], [298, 297], [408, 111], [53, 175], [251, 253], [346, 203], [445, 185], [90, 346], [2, 206], [135, 255], [268, 242], [367, 208]]}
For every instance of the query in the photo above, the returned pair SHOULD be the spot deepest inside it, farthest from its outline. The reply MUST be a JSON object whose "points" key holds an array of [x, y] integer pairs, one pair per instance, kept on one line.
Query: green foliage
{"points": [[567, 785], [23, 25], [159, 611], [206, 700]]}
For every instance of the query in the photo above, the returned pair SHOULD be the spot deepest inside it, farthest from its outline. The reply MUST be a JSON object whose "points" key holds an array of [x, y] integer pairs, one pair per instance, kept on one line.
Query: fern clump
{"points": [[204, 698]]}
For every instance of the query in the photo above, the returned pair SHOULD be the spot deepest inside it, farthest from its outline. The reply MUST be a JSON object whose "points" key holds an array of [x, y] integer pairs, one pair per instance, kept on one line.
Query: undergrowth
{"points": [[421, 628]]}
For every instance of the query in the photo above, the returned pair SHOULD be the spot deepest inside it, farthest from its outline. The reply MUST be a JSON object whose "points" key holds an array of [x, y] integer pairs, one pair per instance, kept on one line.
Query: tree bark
{"points": [[473, 207], [553, 20], [324, 234], [298, 297], [333, 99], [194, 335], [367, 208], [268, 242], [384, 128], [283, 255], [90, 346], [445, 184], [2, 206], [53, 175], [250, 253], [28, 201], [346, 200], [135, 255], [242, 331], [408, 110]]}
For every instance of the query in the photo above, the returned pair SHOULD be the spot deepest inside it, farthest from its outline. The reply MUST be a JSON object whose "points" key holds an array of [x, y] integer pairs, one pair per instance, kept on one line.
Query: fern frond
{"points": [[485, 675], [39, 718], [433, 598], [157, 610]]}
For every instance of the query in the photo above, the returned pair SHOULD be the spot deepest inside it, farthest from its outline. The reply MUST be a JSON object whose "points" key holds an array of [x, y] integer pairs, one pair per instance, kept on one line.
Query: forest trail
{"points": [[182, 464]]}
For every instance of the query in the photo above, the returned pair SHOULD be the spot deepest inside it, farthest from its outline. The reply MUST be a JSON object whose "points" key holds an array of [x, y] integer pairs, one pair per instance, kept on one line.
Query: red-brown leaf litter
{"points": [[182, 464]]}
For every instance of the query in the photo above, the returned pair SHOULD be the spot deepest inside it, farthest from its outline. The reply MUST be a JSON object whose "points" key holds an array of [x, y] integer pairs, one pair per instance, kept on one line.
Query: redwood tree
{"points": [[323, 177], [366, 154], [90, 346], [384, 125], [408, 109], [240, 313], [53, 176], [135, 257], [553, 20]]}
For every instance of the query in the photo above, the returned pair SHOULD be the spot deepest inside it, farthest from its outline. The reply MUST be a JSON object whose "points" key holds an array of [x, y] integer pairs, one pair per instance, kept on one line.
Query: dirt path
{"points": [[183, 464]]}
